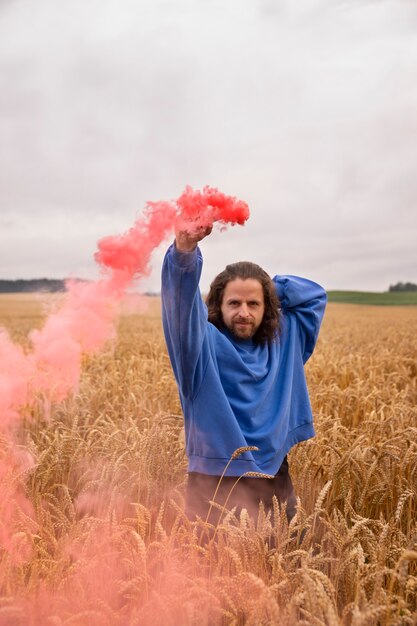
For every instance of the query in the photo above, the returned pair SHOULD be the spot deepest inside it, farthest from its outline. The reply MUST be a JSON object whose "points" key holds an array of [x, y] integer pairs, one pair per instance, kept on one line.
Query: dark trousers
{"points": [[246, 493]]}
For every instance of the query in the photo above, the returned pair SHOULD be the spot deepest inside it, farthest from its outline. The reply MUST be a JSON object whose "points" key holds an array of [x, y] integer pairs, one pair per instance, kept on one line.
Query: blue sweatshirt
{"points": [[233, 392]]}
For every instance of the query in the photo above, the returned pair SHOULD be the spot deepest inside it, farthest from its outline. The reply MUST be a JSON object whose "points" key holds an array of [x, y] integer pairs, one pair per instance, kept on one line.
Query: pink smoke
{"points": [[17, 523], [84, 322], [193, 209]]}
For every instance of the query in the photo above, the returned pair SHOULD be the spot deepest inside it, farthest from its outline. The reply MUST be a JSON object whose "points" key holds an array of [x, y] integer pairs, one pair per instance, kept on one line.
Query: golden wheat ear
{"points": [[234, 456]]}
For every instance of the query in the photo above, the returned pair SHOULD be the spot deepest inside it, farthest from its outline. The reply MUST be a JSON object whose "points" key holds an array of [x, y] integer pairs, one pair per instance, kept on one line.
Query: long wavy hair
{"points": [[269, 327]]}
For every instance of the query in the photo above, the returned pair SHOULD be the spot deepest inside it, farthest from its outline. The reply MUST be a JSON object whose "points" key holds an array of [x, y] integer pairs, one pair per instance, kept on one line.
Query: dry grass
{"points": [[107, 543]]}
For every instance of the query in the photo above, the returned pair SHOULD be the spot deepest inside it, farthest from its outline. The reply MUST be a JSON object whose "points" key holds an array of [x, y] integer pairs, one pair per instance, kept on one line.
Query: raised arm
{"points": [[184, 314], [305, 300]]}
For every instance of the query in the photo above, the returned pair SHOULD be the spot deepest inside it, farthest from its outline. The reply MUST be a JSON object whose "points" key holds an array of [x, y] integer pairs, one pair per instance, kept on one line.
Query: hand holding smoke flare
{"points": [[85, 319]]}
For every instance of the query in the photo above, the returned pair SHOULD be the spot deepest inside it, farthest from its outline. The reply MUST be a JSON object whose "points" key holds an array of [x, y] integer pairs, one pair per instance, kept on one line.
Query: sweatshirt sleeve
{"points": [[305, 300], [184, 314]]}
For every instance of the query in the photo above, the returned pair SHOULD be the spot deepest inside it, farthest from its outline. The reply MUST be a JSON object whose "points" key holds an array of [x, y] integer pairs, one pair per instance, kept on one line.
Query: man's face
{"points": [[243, 307]]}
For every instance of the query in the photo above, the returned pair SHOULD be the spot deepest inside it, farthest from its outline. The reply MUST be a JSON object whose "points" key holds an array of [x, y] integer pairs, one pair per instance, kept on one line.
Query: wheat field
{"points": [[92, 530]]}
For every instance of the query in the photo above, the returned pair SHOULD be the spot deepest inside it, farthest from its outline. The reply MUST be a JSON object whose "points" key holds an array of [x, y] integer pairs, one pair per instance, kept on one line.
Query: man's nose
{"points": [[243, 312]]}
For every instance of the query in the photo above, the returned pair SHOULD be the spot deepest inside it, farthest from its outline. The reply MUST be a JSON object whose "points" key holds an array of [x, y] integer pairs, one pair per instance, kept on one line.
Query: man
{"points": [[239, 365]]}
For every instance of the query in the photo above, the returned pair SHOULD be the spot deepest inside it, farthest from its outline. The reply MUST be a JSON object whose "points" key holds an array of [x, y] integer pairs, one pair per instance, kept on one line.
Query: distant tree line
{"points": [[36, 284], [403, 287]]}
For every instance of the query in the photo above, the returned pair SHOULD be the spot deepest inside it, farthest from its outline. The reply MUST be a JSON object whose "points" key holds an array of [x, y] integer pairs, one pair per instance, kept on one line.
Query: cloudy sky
{"points": [[306, 109]]}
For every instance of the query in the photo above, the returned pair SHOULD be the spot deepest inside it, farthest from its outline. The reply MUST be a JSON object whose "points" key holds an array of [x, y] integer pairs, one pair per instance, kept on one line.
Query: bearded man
{"points": [[238, 360]]}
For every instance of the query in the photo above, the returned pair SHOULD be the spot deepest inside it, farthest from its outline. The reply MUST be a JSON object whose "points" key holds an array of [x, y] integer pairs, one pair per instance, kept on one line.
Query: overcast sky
{"points": [[306, 109]]}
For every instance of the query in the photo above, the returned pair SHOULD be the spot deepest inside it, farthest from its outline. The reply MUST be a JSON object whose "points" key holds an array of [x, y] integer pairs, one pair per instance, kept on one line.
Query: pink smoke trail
{"points": [[193, 209], [85, 319], [82, 325], [17, 516]]}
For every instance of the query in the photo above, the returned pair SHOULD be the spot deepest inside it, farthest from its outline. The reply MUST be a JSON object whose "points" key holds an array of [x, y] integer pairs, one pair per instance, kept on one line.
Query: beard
{"points": [[243, 330]]}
